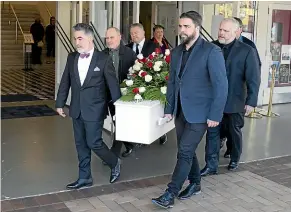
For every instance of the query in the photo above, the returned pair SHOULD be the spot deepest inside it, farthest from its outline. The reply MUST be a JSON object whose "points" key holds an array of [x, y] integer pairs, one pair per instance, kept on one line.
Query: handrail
{"points": [[98, 35], [17, 21], [62, 34]]}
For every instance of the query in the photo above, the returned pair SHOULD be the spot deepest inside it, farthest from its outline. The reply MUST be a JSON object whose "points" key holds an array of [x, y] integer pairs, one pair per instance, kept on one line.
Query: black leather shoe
{"points": [[227, 154], [163, 139], [222, 142], [115, 172], [126, 153], [192, 189], [232, 166], [207, 171], [165, 201], [80, 184]]}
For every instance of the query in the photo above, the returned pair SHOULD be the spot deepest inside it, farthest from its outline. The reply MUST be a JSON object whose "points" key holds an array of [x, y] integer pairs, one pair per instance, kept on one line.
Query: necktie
{"points": [[136, 49], [84, 55]]}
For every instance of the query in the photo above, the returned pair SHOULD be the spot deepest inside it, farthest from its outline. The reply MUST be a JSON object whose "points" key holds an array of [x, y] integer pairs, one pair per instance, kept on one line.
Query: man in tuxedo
{"points": [[196, 96], [140, 45], [88, 73], [123, 58], [243, 73], [247, 41]]}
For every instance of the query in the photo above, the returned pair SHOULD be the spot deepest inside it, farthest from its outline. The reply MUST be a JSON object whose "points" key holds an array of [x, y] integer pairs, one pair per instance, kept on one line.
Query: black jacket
{"points": [[148, 47], [90, 99]]}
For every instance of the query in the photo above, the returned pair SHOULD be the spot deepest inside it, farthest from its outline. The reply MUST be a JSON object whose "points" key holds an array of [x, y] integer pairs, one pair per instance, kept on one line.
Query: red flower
{"points": [[167, 77], [151, 57], [143, 74], [150, 64], [157, 50], [135, 90], [143, 60], [168, 59]]}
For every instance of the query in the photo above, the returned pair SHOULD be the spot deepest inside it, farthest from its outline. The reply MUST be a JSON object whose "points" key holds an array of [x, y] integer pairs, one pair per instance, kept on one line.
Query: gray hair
{"points": [[137, 25], [233, 21], [86, 28]]}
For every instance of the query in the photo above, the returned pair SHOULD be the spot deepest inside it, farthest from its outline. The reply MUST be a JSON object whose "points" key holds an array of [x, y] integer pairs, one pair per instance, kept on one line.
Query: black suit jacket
{"points": [[251, 43], [127, 59], [243, 74], [90, 99], [148, 47]]}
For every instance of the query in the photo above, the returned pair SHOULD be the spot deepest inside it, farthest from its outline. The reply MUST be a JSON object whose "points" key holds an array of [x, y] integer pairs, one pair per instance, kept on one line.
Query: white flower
{"points": [[153, 53], [156, 68], [139, 74], [164, 90], [148, 78], [158, 63], [140, 56], [129, 83], [130, 70], [142, 89], [136, 67], [167, 52], [138, 97], [123, 91]]}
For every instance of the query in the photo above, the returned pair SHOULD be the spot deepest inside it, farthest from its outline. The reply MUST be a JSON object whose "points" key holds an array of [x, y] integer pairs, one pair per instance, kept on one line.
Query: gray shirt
{"points": [[114, 53]]}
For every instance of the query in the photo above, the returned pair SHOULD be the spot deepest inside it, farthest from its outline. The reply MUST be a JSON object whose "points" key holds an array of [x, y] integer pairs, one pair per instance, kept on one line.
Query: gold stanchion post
{"points": [[269, 113], [254, 115]]}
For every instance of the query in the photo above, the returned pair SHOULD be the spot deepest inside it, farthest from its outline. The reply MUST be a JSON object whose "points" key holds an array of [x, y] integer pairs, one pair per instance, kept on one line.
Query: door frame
{"points": [[268, 55]]}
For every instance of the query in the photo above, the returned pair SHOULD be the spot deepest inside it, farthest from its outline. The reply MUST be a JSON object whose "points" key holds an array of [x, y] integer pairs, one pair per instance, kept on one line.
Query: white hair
{"points": [[235, 23]]}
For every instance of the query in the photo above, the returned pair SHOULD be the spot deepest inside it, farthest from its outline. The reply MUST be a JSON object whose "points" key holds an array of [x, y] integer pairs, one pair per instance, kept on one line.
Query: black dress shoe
{"points": [[165, 201], [115, 172], [232, 166], [80, 184], [227, 154], [163, 139], [207, 171], [126, 153], [192, 189]]}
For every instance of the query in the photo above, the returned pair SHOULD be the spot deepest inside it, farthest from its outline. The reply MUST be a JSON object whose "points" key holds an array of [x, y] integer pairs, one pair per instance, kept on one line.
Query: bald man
{"points": [[123, 58]]}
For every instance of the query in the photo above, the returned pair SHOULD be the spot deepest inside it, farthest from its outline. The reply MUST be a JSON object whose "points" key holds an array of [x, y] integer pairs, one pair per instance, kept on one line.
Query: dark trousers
{"points": [[234, 122], [188, 137], [88, 136], [36, 54], [50, 49], [212, 147]]}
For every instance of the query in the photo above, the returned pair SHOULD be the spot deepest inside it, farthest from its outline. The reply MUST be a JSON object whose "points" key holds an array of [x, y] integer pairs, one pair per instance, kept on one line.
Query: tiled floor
{"points": [[40, 82], [247, 190]]}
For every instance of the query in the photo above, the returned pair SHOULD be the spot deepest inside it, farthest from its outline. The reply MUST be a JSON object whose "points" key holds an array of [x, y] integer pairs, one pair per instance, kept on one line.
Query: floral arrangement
{"points": [[147, 79]]}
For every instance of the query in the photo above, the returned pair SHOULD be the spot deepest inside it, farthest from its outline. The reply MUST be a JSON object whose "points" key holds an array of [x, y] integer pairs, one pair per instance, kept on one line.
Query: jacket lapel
{"points": [[194, 50], [76, 72], [91, 68]]}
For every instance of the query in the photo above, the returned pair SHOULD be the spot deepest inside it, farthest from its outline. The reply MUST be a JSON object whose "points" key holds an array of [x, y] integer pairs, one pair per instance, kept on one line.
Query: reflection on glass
{"points": [[280, 47]]}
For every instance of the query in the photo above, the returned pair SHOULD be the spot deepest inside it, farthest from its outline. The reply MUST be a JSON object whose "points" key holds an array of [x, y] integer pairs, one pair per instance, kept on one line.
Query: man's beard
{"points": [[222, 41], [187, 39]]}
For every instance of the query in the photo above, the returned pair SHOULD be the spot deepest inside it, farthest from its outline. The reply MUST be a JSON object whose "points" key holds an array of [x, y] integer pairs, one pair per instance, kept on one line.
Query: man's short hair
{"points": [[86, 28], [158, 27], [232, 20], [115, 28], [137, 25], [239, 21], [194, 16]]}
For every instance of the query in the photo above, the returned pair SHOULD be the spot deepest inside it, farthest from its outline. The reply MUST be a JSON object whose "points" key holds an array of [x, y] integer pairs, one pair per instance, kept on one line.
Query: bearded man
{"points": [[196, 96]]}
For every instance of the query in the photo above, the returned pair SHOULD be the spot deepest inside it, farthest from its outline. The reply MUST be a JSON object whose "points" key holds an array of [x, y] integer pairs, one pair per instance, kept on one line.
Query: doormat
{"points": [[26, 111], [18, 98]]}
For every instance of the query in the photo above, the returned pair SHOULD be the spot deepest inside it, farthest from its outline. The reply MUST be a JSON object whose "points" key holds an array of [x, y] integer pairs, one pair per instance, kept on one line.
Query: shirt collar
{"points": [[141, 43], [115, 50]]}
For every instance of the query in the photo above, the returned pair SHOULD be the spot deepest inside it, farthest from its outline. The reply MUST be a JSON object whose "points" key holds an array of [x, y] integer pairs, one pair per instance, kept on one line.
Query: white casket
{"points": [[138, 122]]}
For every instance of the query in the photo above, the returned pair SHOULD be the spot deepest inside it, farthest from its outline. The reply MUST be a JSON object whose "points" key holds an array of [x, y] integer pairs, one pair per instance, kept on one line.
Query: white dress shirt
{"points": [[140, 45], [83, 66]]}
